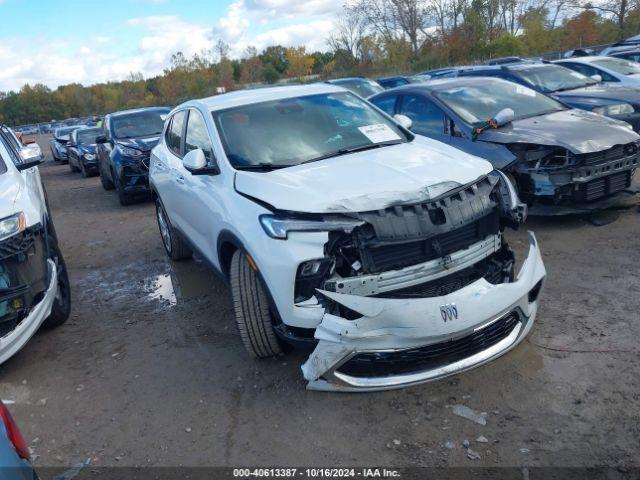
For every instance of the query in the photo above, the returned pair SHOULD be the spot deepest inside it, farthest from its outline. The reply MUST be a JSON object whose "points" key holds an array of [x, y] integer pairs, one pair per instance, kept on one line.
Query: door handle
{"points": [[179, 178]]}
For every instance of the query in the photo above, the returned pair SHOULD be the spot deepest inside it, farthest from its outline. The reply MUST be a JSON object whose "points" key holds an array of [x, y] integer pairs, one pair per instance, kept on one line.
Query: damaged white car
{"points": [[338, 229]]}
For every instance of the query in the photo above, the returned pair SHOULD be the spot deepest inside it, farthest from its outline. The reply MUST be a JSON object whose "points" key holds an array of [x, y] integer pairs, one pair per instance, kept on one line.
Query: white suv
{"points": [[338, 229], [34, 286]]}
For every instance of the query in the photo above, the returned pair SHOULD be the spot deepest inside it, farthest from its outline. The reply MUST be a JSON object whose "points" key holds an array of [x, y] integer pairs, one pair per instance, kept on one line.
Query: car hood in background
{"points": [[576, 130], [608, 93], [142, 143], [88, 148], [364, 181]]}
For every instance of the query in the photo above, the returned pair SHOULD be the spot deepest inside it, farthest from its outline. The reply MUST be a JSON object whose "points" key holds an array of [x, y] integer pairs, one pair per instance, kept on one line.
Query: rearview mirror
{"points": [[101, 139], [504, 116], [403, 121], [196, 163], [596, 77]]}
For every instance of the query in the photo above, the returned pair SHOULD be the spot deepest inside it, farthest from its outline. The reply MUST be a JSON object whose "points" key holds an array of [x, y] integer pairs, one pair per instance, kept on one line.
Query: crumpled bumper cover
{"points": [[393, 325], [20, 335]]}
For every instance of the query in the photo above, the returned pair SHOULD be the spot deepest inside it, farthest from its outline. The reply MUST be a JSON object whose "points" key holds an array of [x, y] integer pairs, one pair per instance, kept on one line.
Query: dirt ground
{"points": [[149, 369]]}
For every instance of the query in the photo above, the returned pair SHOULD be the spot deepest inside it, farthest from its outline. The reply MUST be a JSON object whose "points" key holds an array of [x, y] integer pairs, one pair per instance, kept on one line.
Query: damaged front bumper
{"points": [[402, 342]]}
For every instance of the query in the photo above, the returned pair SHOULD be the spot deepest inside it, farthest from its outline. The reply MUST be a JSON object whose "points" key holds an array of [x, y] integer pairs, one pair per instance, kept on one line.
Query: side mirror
{"points": [[196, 163], [596, 77], [101, 139], [28, 164], [28, 141], [403, 121], [504, 116]]}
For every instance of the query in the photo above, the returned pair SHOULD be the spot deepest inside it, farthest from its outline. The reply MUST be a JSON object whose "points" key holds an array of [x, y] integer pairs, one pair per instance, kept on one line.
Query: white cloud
{"points": [[313, 35]]}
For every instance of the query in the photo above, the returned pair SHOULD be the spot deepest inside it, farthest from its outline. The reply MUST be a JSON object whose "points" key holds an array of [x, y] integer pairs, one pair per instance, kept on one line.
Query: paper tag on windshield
{"points": [[379, 133], [525, 91]]}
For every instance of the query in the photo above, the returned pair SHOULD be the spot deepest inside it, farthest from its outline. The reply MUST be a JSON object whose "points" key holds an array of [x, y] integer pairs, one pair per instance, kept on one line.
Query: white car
{"points": [[337, 228], [34, 285], [28, 148], [610, 70]]}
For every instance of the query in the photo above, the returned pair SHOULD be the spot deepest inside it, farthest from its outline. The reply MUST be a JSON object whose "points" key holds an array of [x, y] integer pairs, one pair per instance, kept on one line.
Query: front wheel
{"points": [[177, 249], [106, 183], [61, 307], [72, 167], [251, 307]]}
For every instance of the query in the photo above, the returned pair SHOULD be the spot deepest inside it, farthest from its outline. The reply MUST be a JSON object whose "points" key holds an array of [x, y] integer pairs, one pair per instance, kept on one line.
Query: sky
{"points": [[86, 41]]}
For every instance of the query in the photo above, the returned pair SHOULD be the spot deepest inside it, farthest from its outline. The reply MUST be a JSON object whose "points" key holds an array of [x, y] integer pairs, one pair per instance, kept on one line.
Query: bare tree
{"points": [[349, 34], [618, 10]]}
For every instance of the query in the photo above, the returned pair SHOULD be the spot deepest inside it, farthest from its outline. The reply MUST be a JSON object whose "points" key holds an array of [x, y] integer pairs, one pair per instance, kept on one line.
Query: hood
{"points": [[9, 190], [142, 143], [594, 94], [88, 148], [576, 130], [364, 181]]}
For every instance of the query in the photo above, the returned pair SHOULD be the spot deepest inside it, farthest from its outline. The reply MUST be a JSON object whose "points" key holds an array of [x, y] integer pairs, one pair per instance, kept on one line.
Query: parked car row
{"points": [[367, 225]]}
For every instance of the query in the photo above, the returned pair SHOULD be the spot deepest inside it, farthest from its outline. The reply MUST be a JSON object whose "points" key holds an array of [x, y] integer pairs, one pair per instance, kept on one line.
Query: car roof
{"points": [[347, 79], [247, 97], [588, 59], [138, 110], [392, 77], [441, 84]]}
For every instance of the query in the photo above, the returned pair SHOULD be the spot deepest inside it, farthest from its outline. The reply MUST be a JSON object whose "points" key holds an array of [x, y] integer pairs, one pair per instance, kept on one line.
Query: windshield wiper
{"points": [[261, 166], [344, 151]]}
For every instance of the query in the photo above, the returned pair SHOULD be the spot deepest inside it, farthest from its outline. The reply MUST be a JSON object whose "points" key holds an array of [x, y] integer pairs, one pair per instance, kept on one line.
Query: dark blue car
{"points": [[562, 160], [81, 151], [571, 88], [124, 150]]}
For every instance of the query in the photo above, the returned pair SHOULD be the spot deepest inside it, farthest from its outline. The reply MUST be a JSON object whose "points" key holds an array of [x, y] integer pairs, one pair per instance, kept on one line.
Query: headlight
{"points": [[618, 109], [89, 156], [130, 152], [279, 227], [12, 225]]}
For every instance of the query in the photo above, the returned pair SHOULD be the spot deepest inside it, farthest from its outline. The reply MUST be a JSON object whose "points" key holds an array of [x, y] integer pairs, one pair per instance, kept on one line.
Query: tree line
{"points": [[371, 37]]}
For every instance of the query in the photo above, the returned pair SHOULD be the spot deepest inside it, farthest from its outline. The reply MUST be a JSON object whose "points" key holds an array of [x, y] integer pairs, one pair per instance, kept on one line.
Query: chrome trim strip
{"points": [[418, 377], [367, 285]]}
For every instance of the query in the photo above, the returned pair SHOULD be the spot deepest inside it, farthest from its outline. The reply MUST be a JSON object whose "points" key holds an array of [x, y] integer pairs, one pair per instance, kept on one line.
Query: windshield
{"points": [[88, 136], [141, 124], [623, 67], [295, 130], [551, 78], [360, 86], [63, 132], [481, 102]]}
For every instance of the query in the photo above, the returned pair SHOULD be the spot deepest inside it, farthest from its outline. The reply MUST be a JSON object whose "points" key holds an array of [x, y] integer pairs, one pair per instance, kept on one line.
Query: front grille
{"points": [[18, 244], [601, 187], [498, 268], [615, 153], [399, 255], [384, 364]]}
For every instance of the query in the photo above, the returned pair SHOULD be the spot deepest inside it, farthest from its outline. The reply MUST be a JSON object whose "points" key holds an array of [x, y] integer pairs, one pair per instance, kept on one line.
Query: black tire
{"points": [[252, 312], [55, 159], [83, 170], [123, 197], [61, 307], [177, 249], [106, 183], [73, 168]]}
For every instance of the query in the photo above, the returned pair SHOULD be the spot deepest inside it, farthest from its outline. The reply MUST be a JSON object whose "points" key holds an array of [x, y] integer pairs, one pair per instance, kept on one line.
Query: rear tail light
{"points": [[13, 432]]}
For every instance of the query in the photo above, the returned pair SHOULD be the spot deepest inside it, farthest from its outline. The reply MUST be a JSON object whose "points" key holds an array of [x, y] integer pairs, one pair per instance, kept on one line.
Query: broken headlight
{"points": [[617, 109], [277, 226], [12, 225]]}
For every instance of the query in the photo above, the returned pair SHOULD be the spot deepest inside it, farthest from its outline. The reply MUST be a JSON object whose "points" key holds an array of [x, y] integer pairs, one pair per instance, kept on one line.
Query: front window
{"points": [[64, 133], [554, 78], [360, 86], [623, 67], [141, 124], [87, 137], [292, 131], [482, 101]]}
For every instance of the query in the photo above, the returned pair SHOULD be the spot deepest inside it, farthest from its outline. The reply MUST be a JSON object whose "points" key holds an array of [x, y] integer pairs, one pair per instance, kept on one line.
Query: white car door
{"points": [[199, 205]]}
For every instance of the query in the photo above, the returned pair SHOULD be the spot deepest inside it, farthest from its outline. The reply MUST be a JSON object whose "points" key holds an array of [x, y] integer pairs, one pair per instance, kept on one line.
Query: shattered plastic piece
{"points": [[73, 471], [469, 414], [450, 445], [473, 455], [482, 439]]}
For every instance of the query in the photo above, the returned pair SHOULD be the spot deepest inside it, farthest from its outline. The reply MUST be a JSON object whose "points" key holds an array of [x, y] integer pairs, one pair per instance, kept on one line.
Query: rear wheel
{"points": [[176, 248], [251, 305]]}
